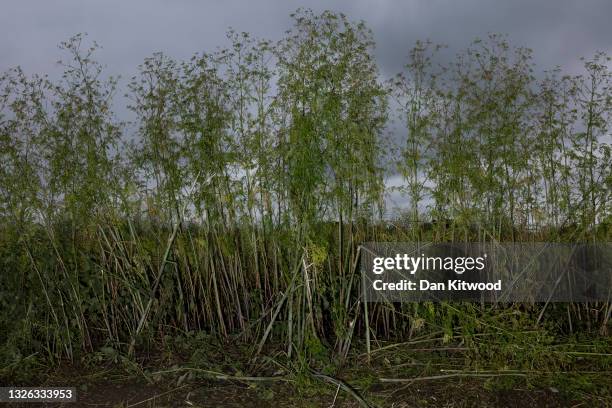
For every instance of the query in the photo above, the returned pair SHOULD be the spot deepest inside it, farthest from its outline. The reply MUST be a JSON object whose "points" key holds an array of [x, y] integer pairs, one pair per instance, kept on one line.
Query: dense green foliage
{"points": [[235, 203]]}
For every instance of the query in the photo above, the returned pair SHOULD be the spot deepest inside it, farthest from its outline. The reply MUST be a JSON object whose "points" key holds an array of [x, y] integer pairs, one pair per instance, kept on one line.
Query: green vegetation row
{"points": [[234, 202]]}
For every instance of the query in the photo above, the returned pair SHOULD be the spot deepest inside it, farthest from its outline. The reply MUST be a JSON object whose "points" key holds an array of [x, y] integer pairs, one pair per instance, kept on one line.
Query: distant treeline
{"points": [[236, 200]]}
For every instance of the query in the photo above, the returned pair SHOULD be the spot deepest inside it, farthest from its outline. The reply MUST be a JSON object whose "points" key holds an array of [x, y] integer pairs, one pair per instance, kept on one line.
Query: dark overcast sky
{"points": [[559, 31]]}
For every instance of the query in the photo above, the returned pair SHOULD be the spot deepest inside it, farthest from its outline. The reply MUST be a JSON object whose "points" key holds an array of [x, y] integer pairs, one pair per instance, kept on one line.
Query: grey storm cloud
{"points": [[559, 31]]}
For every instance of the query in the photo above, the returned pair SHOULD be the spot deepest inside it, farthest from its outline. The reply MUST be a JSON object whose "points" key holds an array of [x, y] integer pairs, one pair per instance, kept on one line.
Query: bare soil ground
{"points": [[114, 391]]}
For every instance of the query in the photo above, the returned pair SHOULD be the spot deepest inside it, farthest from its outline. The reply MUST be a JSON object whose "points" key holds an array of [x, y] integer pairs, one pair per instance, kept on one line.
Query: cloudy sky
{"points": [[559, 31]]}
